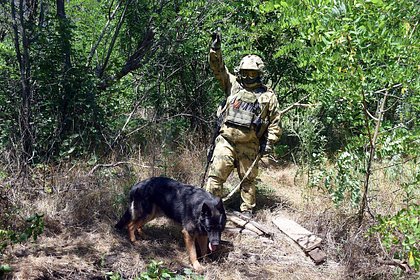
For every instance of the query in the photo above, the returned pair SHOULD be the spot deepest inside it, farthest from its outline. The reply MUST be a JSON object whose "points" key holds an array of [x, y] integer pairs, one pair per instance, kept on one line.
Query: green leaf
{"points": [[5, 268], [377, 2]]}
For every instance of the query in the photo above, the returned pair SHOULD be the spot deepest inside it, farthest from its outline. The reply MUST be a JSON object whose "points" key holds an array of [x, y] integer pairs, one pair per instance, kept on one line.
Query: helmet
{"points": [[251, 62], [251, 70]]}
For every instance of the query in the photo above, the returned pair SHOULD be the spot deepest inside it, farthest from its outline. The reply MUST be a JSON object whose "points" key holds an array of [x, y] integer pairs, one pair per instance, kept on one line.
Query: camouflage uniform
{"points": [[238, 145]]}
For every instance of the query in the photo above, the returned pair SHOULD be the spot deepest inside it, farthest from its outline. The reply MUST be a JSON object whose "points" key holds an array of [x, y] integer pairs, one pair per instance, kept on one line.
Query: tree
{"points": [[357, 54]]}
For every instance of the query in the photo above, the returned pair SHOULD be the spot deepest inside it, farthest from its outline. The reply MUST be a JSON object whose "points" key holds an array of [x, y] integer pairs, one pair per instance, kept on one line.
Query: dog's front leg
{"points": [[132, 227], [192, 252], [202, 241]]}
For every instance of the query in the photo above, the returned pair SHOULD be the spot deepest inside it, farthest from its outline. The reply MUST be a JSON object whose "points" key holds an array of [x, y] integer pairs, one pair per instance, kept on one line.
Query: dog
{"points": [[201, 214]]}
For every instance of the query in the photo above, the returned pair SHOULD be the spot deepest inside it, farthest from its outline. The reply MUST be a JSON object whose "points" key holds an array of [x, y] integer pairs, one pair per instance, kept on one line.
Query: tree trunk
{"points": [[66, 65], [22, 46], [372, 149], [64, 34]]}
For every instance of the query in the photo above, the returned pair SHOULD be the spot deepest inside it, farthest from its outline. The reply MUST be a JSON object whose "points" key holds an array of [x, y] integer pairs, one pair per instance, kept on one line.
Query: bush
{"points": [[400, 235], [9, 237]]}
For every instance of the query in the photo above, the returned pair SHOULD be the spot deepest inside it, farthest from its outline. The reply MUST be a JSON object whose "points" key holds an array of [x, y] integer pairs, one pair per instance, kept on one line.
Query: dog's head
{"points": [[213, 220]]}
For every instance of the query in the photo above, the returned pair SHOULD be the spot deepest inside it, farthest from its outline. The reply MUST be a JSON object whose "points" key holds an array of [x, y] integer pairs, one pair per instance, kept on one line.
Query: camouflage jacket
{"points": [[268, 112]]}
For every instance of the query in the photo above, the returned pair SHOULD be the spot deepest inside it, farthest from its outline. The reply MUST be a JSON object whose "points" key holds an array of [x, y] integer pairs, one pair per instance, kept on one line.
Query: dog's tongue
{"points": [[212, 247]]}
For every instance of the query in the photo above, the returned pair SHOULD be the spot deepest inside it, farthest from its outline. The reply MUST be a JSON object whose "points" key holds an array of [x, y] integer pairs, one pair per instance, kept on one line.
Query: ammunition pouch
{"points": [[243, 109]]}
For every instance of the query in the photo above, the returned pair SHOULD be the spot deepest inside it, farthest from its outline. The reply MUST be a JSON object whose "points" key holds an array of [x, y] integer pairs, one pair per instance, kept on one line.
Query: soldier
{"points": [[250, 124]]}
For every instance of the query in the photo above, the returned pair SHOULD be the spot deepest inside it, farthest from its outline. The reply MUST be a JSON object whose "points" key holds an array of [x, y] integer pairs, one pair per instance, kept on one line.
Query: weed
{"points": [[156, 271], [400, 234]]}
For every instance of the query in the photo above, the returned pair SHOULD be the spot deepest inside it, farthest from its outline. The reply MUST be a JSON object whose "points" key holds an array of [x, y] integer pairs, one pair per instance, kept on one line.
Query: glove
{"points": [[216, 40]]}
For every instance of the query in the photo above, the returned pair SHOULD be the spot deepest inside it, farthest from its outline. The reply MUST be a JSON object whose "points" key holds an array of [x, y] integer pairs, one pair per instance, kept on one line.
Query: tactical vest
{"points": [[243, 109], [242, 117]]}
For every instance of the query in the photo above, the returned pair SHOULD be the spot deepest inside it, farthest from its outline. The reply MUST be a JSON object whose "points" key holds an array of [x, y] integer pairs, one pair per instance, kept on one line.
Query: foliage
{"points": [[92, 76], [9, 237], [400, 234], [155, 271], [345, 179], [115, 77], [350, 50]]}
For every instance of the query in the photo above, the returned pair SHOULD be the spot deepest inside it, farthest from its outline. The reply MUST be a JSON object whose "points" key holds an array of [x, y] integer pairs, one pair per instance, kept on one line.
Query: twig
{"points": [[113, 165], [390, 261], [395, 164], [113, 40], [297, 103], [243, 178], [166, 119]]}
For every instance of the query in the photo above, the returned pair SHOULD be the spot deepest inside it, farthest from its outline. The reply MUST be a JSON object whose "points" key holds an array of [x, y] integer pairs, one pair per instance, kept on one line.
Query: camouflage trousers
{"points": [[226, 157]]}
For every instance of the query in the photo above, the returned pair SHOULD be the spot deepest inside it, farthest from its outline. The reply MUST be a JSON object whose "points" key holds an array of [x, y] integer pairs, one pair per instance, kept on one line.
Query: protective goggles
{"points": [[250, 74]]}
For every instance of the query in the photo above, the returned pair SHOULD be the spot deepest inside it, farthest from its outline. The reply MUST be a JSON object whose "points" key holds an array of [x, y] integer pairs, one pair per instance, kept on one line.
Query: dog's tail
{"points": [[125, 219]]}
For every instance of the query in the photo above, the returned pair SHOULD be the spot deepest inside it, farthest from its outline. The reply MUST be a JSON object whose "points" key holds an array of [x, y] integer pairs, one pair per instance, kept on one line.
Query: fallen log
{"points": [[395, 262]]}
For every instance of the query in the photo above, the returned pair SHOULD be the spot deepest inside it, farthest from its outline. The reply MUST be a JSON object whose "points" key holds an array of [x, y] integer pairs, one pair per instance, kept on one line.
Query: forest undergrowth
{"points": [[78, 204]]}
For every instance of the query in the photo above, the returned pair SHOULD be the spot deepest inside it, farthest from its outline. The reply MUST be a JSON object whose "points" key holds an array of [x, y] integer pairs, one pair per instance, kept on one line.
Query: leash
{"points": [[235, 189]]}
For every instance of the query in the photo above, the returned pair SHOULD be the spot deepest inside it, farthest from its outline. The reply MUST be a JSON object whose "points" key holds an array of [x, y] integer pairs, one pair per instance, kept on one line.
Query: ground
{"points": [[79, 241]]}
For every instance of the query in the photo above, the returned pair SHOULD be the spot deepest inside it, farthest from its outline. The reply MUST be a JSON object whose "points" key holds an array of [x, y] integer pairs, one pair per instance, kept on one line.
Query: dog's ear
{"points": [[205, 210]]}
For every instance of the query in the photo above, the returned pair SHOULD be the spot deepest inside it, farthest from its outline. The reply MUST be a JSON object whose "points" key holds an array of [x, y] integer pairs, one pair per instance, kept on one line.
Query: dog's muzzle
{"points": [[213, 245]]}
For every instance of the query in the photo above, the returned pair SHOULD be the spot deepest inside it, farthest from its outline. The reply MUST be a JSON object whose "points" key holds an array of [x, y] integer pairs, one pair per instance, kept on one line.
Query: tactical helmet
{"points": [[251, 62], [251, 71]]}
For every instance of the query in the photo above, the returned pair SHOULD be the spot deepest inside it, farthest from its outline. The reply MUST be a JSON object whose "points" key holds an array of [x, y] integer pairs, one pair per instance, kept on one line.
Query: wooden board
{"points": [[317, 255], [265, 231], [306, 239], [244, 224]]}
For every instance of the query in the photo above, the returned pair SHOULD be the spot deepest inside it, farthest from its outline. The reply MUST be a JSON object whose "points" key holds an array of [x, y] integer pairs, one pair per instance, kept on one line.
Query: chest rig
{"points": [[243, 109]]}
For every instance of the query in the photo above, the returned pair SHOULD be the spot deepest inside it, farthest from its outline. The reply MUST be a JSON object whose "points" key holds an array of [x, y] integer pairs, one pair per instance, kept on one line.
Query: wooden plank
{"points": [[259, 226], [240, 231], [309, 242], [306, 239], [244, 224], [317, 255]]}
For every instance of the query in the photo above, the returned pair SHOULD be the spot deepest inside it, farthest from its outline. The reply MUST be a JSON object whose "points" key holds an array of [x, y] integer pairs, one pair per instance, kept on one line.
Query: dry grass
{"points": [[79, 241]]}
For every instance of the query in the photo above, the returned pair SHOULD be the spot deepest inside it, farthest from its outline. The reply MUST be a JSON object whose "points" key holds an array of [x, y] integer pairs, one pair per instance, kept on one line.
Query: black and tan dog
{"points": [[201, 214]]}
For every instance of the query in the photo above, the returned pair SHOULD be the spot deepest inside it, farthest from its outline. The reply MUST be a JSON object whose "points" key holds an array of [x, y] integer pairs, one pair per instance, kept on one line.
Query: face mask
{"points": [[250, 78]]}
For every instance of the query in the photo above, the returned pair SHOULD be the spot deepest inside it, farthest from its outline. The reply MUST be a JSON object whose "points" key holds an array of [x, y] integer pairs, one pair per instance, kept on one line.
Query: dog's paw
{"points": [[143, 236], [135, 243], [198, 267]]}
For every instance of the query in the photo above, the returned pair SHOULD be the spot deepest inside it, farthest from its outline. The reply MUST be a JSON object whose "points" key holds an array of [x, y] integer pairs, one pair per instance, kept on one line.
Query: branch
{"points": [[395, 164], [113, 40], [370, 115], [165, 119], [135, 107], [296, 104], [113, 165], [386, 90], [133, 62], [101, 36], [372, 140], [390, 261]]}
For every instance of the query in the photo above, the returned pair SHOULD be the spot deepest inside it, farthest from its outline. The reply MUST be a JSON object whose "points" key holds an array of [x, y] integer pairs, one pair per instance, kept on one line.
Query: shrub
{"points": [[34, 228], [400, 235]]}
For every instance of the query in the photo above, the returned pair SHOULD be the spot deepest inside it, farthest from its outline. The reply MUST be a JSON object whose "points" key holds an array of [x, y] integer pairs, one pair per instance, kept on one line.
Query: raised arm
{"points": [[217, 65]]}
